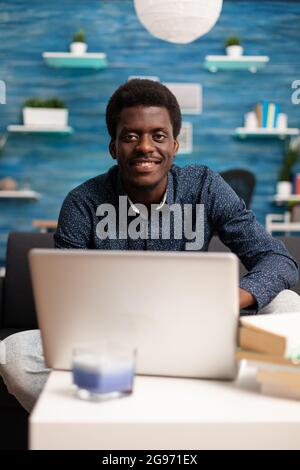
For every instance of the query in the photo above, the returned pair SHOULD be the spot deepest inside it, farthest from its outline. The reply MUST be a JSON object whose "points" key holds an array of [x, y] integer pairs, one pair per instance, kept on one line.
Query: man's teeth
{"points": [[145, 164]]}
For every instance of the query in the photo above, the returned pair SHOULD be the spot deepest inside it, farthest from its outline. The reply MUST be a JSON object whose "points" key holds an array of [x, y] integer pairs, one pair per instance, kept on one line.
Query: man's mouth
{"points": [[140, 164], [145, 164]]}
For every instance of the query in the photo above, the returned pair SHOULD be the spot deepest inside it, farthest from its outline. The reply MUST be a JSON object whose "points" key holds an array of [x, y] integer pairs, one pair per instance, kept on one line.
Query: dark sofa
{"points": [[17, 313]]}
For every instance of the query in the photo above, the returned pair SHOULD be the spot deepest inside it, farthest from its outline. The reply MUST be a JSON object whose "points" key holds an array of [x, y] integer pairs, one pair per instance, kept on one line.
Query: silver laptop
{"points": [[179, 310]]}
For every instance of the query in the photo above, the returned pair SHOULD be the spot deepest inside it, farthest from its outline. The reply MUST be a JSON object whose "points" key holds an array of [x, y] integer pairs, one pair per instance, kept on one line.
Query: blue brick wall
{"points": [[53, 165]]}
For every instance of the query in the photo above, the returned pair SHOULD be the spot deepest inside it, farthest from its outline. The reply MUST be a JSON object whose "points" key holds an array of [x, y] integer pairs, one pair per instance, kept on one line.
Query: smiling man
{"points": [[143, 119]]}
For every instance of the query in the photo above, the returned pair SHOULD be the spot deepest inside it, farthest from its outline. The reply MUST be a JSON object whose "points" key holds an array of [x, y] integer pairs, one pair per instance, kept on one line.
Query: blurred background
{"points": [[37, 169]]}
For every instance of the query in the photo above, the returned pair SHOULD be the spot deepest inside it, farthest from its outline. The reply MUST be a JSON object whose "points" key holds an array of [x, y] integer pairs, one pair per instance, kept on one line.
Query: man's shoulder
{"points": [[97, 187]]}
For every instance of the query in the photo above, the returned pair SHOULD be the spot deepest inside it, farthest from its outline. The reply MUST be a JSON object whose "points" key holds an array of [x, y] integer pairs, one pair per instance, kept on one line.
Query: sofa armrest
{"points": [[19, 310]]}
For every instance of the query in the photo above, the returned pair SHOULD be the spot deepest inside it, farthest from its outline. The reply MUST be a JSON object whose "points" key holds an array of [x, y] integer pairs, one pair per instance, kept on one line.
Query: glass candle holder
{"points": [[103, 370]]}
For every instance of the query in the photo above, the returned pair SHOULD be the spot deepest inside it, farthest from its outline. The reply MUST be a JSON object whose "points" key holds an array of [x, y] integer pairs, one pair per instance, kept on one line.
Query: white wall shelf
{"points": [[214, 63], [15, 128], [20, 194], [279, 199], [94, 60], [243, 132], [281, 223]]}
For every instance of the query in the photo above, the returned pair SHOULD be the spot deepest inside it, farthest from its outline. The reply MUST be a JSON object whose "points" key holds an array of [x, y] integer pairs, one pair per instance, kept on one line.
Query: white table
{"points": [[166, 413]]}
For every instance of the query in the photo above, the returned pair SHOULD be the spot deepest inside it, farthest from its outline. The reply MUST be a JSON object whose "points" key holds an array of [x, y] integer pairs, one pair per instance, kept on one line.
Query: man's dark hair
{"points": [[142, 92]]}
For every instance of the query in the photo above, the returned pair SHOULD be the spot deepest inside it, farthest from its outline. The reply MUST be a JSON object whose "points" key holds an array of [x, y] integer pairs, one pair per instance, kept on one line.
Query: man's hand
{"points": [[246, 299]]}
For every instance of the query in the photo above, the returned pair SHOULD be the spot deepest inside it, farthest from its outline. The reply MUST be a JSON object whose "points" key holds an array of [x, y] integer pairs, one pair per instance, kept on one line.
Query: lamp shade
{"points": [[178, 21]]}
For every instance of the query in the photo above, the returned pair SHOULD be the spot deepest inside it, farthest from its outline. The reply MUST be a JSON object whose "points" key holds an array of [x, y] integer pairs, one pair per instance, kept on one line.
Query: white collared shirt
{"points": [[136, 210]]}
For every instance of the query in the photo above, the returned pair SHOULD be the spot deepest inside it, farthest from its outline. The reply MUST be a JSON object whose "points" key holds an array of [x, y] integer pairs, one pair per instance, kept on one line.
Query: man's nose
{"points": [[145, 144]]}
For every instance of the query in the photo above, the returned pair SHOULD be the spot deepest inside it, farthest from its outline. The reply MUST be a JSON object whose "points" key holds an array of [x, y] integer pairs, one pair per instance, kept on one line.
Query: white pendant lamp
{"points": [[178, 21]]}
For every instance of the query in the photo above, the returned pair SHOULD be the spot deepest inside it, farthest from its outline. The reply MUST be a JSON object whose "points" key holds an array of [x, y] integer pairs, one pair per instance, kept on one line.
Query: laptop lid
{"points": [[180, 310]]}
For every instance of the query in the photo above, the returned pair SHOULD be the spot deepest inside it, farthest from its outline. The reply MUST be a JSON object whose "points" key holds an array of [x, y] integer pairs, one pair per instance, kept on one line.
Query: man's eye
{"points": [[130, 137], [160, 137]]}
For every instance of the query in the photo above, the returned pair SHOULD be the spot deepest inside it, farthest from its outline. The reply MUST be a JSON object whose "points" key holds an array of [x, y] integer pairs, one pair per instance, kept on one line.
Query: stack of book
{"points": [[266, 116], [272, 343]]}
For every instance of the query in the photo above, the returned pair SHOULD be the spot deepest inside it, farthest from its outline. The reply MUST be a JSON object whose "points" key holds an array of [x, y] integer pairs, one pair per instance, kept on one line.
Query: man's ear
{"points": [[112, 149], [176, 146]]}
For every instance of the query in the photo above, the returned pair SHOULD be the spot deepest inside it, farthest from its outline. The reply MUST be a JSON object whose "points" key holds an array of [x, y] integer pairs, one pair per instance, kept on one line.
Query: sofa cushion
{"points": [[18, 302], [5, 398]]}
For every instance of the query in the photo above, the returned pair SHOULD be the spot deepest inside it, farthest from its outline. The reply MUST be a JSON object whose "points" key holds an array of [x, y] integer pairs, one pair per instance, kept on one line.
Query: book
{"points": [[279, 383], [256, 339], [267, 360], [258, 111], [264, 118], [288, 378], [271, 116], [272, 334], [279, 391], [271, 343], [277, 376]]}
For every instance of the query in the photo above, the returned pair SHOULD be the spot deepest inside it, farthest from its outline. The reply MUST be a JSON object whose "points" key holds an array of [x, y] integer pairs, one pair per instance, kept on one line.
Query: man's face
{"points": [[144, 147]]}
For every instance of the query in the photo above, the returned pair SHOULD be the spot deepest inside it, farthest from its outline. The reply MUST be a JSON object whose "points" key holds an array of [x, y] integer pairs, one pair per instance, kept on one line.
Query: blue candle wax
{"points": [[103, 377]]}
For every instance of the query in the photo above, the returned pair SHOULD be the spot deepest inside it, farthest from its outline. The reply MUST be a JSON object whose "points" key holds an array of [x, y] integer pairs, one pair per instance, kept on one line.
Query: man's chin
{"points": [[144, 183]]}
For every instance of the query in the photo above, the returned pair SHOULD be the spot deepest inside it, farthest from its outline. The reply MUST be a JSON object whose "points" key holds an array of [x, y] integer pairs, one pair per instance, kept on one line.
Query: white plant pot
{"points": [[284, 188], [78, 48], [45, 117], [234, 51]]}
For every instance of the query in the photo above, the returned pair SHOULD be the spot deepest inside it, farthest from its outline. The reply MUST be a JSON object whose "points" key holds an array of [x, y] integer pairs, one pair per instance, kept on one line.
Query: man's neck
{"points": [[145, 196]]}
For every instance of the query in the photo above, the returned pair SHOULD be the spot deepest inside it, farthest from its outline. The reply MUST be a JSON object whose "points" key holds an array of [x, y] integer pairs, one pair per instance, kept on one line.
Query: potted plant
{"points": [[284, 185], [233, 47], [78, 44], [38, 112]]}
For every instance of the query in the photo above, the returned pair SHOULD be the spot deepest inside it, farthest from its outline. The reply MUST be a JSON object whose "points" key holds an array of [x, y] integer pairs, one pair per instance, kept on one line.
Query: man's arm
{"points": [[271, 268], [75, 225]]}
